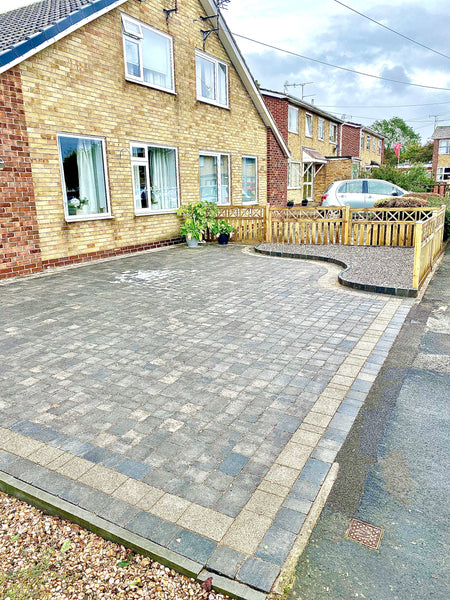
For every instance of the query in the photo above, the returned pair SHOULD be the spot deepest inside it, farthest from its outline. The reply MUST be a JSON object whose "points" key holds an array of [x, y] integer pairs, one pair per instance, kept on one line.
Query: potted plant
{"points": [[198, 217], [223, 229], [75, 203]]}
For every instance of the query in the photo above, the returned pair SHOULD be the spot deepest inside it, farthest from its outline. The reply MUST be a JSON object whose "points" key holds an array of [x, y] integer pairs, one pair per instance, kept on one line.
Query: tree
{"points": [[417, 154], [396, 130], [415, 179]]}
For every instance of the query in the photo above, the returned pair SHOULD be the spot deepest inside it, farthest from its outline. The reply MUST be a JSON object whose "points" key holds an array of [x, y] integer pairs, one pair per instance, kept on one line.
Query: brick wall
{"points": [[435, 157], [19, 248], [349, 140], [77, 86], [335, 170], [277, 172]]}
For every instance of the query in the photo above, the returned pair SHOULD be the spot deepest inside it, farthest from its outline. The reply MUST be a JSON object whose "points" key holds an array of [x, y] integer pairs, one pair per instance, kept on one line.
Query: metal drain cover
{"points": [[364, 533]]}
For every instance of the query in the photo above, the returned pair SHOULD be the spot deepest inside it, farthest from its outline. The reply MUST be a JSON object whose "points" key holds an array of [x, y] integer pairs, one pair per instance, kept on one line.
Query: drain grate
{"points": [[364, 533]]}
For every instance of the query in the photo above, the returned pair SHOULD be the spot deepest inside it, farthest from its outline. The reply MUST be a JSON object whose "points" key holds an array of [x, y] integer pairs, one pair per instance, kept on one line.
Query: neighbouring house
{"points": [[314, 140], [441, 153], [363, 143], [112, 114]]}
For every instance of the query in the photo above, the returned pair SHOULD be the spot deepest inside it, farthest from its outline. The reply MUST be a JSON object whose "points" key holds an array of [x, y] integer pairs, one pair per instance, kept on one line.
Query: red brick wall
{"points": [[20, 252], [277, 163], [349, 141], [435, 157]]}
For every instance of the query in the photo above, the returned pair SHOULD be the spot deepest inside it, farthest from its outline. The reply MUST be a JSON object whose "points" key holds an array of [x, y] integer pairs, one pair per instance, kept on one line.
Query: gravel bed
{"points": [[368, 265], [44, 557]]}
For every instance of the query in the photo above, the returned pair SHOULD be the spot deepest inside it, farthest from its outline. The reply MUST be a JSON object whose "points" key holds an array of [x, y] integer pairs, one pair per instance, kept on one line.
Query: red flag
{"points": [[397, 149]]}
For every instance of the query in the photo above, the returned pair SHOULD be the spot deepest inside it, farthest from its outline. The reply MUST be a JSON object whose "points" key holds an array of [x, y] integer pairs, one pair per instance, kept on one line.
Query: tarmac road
{"points": [[393, 474]]}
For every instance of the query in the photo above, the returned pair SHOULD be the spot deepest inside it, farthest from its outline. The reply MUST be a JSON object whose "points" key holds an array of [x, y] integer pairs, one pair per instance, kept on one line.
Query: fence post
{"points": [[268, 223], [346, 224], [417, 249]]}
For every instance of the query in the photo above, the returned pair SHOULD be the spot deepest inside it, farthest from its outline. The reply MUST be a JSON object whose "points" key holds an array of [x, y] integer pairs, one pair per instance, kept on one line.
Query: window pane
{"points": [[138, 152], [379, 187], [156, 59], [205, 78], [163, 178], [294, 175], [208, 179], [321, 129], [248, 179], [293, 119], [140, 186], [223, 99], [308, 125], [352, 187], [132, 58], [131, 27], [84, 176], [225, 192]]}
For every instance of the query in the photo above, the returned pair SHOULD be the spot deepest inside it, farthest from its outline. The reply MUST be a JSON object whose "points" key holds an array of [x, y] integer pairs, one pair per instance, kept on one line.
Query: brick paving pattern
{"points": [[194, 397]]}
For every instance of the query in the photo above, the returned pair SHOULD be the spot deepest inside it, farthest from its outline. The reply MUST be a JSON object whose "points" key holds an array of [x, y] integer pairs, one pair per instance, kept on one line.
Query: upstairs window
{"points": [[308, 125], [333, 133], [373, 144], [293, 119], [321, 129], [212, 79], [362, 141], [379, 147], [444, 146], [148, 55], [368, 142]]}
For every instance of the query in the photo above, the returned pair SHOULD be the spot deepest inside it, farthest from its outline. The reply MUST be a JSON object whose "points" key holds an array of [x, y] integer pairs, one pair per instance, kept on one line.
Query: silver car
{"points": [[359, 193]]}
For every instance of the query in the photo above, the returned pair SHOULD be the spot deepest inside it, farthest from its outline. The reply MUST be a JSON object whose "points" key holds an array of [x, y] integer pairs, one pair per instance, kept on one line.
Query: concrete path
{"points": [[191, 401], [393, 474]]}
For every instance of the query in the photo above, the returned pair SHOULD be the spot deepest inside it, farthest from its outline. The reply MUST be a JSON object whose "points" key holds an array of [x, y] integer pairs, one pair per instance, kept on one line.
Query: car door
{"points": [[351, 193], [377, 189]]}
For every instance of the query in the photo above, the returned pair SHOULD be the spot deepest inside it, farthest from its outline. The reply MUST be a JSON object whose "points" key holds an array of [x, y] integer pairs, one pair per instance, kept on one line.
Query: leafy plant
{"points": [[415, 179], [221, 227], [198, 217]]}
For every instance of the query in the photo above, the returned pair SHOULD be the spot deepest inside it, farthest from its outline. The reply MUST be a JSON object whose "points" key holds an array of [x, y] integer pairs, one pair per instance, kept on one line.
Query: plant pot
{"points": [[290, 203], [192, 242], [72, 211], [223, 239]]}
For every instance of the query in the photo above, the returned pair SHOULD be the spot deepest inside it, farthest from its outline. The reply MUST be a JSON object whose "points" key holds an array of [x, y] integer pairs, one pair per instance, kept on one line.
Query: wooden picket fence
{"points": [[421, 228]]}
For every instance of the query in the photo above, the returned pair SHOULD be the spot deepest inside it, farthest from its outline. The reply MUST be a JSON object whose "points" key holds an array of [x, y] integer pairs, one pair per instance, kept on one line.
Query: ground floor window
{"points": [[308, 178], [83, 168], [249, 180], [443, 174], [155, 179], [214, 177], [294, 175]]}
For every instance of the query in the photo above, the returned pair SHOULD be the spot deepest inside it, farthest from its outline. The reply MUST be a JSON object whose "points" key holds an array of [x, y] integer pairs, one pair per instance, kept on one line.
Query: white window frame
{"points": [[374, 145], [255, 158], [321, 129], [139, 161], [219, 155], [136, 37], [298, 163], [379, 147], [367, 142], [444, 145], [85, 217], [333, 133], [216, 62], [361, 141], [292, 120], [443, 174], [308, 118]]}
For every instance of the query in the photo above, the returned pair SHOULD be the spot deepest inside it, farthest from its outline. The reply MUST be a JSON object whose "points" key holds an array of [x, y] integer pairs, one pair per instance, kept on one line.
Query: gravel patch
{"points": [[381, 266], [44, 557]]}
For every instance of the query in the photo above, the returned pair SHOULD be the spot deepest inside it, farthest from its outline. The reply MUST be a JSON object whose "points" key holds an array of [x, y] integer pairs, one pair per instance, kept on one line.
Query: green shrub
{"points": [[415, 179]]}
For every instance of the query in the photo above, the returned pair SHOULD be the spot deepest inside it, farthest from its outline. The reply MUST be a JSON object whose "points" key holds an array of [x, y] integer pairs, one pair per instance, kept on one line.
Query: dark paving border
{"points": [[379, 270]]}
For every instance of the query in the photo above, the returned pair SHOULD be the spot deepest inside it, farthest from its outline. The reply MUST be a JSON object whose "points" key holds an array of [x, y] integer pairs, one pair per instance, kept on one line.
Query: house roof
{"points": [[441, 132], [306, 105], [364, 128], [27, 30]]}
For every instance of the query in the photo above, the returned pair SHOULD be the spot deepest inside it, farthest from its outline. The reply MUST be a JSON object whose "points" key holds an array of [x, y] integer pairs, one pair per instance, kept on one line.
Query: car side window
{"points": [[351, 187], [380, 187]]}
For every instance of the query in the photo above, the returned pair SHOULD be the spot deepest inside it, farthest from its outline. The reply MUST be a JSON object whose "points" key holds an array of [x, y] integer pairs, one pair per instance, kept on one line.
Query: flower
{"points": [[77, 202]]}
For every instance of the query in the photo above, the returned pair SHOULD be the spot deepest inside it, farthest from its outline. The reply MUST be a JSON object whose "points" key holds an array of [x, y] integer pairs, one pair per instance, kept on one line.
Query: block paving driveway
{"points": [[196, 398]]}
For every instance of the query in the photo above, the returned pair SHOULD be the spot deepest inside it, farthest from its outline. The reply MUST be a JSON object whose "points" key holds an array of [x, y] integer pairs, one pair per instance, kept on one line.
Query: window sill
{"points": [[149, 85], [294, 132], [254, 203], [212, 103], [149, 213], [83, 218]]}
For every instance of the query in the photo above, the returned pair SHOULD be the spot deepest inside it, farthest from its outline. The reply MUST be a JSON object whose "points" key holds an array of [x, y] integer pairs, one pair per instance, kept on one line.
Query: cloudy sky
{"points": [[327, 31]]}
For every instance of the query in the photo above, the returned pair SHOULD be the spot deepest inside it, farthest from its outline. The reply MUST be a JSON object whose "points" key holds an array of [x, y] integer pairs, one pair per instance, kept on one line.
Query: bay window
{"points": [[155, 179], [148, 55], [249, 180], [83, 172], [214, 171], [212, 79]]}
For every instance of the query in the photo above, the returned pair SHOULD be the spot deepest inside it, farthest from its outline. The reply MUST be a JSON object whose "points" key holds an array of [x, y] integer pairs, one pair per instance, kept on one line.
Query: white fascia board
{"points": [[243, 71], [61, 35]]}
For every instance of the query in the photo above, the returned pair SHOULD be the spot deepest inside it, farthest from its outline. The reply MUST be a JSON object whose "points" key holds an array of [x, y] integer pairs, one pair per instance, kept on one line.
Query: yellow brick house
{"points": [[113, 113]]}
